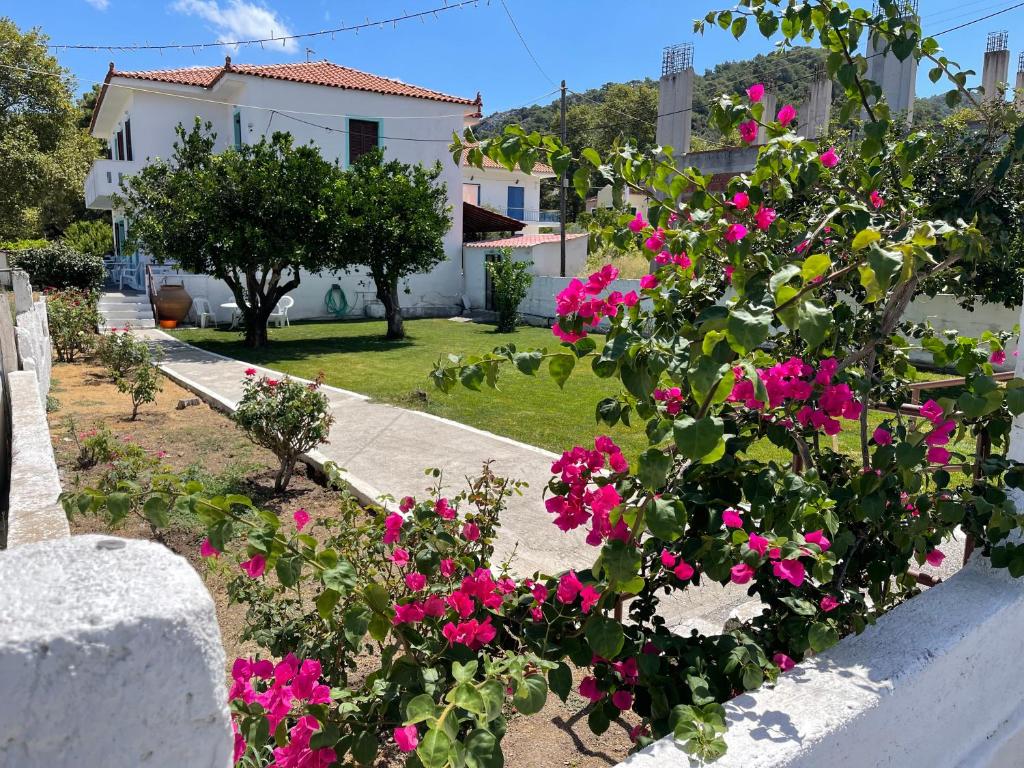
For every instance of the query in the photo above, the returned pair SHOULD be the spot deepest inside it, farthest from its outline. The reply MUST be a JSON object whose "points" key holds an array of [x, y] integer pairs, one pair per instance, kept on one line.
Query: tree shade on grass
{"points": [[356, 356]]}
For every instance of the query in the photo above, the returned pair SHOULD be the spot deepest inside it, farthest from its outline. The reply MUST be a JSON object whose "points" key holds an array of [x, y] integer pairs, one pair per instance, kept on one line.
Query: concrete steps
{"points": [[121, 308]]}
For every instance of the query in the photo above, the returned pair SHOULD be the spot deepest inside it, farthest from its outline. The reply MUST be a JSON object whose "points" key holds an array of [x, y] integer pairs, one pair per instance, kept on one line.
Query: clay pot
{"points": [[173, 302], [168, 323]]}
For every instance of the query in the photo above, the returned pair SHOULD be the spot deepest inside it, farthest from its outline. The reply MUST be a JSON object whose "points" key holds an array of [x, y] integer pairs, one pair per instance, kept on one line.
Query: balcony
{"points": [[104, 181], [546, 217]]}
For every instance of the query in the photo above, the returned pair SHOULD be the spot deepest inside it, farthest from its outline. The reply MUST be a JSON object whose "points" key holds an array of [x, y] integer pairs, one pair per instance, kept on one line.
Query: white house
{"points": [[511, 193], [344, 112]]}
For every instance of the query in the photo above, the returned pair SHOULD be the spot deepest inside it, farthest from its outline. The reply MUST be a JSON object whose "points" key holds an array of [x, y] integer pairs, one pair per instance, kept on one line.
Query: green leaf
{"points": [[377, 597], [420, 709], [665, 518], [341, 578], [814, 320], [695, 438], [325, 603], [472, 376], [748, 330], [821, 636], [753, 677], [483, 750], [118, 505], [653, 468], [592, 157], [463, 673], [469, 698], [815, 266], [864, 238], [365, 746], [621, 561], [155, 511], [289, 569], [528, 362], [604, 635], [560, 680], [379, 627], [531, 695], [560, 366], [433, 748], [581, 181]]}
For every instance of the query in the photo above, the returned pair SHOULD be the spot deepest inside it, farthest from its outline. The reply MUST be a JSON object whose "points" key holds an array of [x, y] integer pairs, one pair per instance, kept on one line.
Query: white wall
{"points": [[945, 313], [546, 259], [494, 184]]}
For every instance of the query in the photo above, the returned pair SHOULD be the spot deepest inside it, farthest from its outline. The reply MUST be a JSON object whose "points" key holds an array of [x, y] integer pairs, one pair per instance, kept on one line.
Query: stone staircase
{"points": [[121, 308]]}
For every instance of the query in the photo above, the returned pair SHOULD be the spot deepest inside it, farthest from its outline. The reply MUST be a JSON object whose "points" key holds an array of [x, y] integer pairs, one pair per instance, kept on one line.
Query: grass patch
{"points": [[355, 355]]}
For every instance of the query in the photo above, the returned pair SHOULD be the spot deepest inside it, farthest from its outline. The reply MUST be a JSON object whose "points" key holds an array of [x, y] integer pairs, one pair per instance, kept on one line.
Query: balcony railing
{"points": [[532, 216], [104, 181]]}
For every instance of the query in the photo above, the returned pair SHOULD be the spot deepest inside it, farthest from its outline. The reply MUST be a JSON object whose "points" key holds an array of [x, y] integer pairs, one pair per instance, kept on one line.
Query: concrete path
{"points": [[385, 449]]}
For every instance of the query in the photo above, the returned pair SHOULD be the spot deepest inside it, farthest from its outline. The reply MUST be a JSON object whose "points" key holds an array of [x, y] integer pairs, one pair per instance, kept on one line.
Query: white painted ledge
{"points": [[34, 513], [109, 656], [936, 682]]}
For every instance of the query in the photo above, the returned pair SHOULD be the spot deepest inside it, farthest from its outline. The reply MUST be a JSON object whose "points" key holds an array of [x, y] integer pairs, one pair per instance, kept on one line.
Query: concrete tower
{"points": [[675, 98], [1018, 98], [817, 110], [896, 78], [996, 69]]}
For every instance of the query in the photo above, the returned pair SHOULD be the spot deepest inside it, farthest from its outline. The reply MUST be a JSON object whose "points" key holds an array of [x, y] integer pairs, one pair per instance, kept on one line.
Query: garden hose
{"points": [[335, 301]]}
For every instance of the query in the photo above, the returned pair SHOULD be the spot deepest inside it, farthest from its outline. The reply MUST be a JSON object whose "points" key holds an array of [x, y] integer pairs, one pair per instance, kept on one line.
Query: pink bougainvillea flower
{"points": [[648, 281], [741, 200], [941, 434], [741, 573], [728, 272], [400, 556], [540, 592], [734, 233], [239, 745], [828, 603], [764, 217], [444, 509], [935, 558], [393, 527], [656, 241], [932, 411], [254, 566], [818, 537], [415, 581], [301, 517], [683, 571], [569, 337], [407, 738], [589, 689], [876, 199], [786, 115], [755, 92], [668, 559], [206, 549], [637, 223], [758, 543], [732, 519], [882, 436], [250, 371], [470, 532], [783, 662], [938, 455], [407, 503], [792, 571], [588, 598], [569, 587], [829, 158], [622, 699], [433, 606], [998, 357], [447, 567], [748, 131]]}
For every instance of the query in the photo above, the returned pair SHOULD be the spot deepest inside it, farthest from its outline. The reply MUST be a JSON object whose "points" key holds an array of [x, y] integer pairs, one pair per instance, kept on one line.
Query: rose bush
{"points": [[285, 416], [131, 365], [73, 317]]}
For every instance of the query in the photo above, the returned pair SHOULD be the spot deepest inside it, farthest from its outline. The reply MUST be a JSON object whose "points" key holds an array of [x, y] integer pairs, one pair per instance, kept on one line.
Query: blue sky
{"points": [[588, 42]]}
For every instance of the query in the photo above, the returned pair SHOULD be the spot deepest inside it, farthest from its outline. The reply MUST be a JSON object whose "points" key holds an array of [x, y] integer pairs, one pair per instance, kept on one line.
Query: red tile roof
{"points": [[488, 163], [477, 220], [311, 72], [523, 241]]}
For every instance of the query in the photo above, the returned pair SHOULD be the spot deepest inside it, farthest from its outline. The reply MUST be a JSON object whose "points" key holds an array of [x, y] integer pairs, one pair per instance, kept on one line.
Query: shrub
{"points": [[284, 416], [512, 281], [93, 237], [131, 366], [73, 319], [55, 265], [23, 245]]}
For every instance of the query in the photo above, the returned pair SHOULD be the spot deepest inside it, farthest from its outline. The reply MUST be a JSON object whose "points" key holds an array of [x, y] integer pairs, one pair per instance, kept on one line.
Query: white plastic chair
{"points": [[280, 313], [134, 276], [203, 312]]}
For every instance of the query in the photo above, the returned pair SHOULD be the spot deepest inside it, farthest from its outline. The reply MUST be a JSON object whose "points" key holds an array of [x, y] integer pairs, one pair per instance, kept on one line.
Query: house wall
{"points": [[494, 184], [412, 130], [546, 259]]}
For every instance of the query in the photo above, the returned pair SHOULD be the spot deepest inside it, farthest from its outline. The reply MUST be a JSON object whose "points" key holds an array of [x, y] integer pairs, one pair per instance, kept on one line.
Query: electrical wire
{"points": [[525, 45], [261, 40]]}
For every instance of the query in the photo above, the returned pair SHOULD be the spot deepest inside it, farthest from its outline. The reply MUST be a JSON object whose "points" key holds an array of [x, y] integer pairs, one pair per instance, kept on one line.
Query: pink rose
{"points": [[415, 581], [758, 543], [447, 567], [876, 199], [400, 556], [792, 571], [470, 532], [683, 571], [932, 411], [998, 357], [938, 455], [735, 232], [648, 281], [637, 223], [818, 537]]}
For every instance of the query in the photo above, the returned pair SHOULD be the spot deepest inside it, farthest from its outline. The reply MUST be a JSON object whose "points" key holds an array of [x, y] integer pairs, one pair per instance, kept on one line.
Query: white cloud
{"points": [[99, 5], [238, 20]]}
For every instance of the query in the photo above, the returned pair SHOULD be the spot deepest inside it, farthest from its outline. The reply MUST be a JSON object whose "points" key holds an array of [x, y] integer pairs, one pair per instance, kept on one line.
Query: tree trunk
{"points": [[387, 293], [284, 474], [255, 332]]}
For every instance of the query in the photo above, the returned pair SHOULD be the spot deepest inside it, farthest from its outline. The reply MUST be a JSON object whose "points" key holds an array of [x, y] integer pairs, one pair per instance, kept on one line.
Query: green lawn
{"points": [[354, 355]]}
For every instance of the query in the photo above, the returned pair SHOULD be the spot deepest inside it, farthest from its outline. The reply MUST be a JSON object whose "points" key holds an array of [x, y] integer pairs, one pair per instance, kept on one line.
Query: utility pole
{"points": [[561, 191]]}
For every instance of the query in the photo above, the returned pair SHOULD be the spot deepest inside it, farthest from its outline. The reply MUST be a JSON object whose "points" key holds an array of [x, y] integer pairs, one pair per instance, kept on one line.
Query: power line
{"points": [[273, 39], [523, 41]]}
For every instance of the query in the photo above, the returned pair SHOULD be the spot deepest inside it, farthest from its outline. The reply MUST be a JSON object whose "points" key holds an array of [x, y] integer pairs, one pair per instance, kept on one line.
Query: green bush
{"points": [[92, 238], [73, 318], [22, 245], [55, 265], [131, 366], [512, 281]]}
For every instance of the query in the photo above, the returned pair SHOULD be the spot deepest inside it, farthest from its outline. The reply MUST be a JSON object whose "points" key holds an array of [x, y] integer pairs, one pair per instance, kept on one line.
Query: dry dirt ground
{"points": [[205, 442]]}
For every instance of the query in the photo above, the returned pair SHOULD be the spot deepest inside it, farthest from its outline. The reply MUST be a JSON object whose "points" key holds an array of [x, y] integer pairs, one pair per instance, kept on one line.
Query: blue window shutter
{"points": [[237, 121], [516, 202]]}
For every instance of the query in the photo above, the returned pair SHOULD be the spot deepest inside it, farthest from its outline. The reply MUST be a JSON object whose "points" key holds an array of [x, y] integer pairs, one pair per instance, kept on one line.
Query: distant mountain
{"points": [[791, 72]]}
